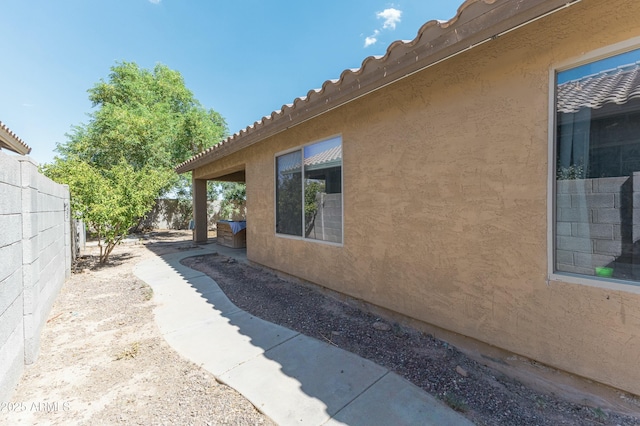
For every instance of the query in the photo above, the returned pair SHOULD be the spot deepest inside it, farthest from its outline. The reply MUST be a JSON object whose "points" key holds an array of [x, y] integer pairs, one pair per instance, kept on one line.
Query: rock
{"points": [[381, 326], [461, 371], [335, 333]]}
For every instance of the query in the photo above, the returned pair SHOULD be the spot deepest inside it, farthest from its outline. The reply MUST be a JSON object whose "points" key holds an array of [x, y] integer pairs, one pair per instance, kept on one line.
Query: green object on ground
{"points": [[603, 271]]}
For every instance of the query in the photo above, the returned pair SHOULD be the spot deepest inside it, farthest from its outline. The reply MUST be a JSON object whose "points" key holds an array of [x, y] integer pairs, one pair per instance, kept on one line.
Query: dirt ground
{"points": [[103, 360]]}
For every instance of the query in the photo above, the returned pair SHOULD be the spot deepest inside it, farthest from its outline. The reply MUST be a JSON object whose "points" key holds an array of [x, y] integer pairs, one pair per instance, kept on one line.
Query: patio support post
{"points": [[200, 210]]}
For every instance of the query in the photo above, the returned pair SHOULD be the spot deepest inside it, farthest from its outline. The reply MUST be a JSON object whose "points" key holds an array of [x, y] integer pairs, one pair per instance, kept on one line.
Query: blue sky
{"points": [[599, 66], [243, 58]]}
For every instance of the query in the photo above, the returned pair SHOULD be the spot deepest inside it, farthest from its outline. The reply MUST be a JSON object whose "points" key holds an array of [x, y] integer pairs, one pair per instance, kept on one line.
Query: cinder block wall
{"points": [[328, 222], [598, 223], [35, 259], [166, 214]]}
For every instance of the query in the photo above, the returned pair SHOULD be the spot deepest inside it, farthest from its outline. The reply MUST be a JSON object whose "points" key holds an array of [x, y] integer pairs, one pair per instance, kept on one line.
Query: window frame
{"points": [[302, 189], [275, 189], [554, 276]]}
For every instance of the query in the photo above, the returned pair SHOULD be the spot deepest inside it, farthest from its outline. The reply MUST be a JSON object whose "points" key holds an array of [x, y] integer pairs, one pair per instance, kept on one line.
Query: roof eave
{"points": [[476, 22], [11, 141]]}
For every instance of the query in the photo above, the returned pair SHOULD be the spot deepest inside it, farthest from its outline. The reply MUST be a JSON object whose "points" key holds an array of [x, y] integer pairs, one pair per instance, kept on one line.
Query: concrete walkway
{"points": [[290, 377]]}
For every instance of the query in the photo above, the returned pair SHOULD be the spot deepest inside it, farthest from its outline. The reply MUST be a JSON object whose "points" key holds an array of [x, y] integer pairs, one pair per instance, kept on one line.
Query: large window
{"points": [[309, 191], [597, 169]]}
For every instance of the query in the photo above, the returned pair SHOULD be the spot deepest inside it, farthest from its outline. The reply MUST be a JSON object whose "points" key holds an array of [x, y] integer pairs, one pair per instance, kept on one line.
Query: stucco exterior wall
{"points": [[35, 259], [445, 201]]}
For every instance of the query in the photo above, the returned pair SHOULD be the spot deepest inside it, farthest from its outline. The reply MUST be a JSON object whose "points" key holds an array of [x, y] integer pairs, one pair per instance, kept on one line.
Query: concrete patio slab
{"points": [[171, 319], [276, 394], [394, 401], [292, 378], [176, 257], [224, 343], [154, 271], [210, 290], [314, 380], [184, 271]]}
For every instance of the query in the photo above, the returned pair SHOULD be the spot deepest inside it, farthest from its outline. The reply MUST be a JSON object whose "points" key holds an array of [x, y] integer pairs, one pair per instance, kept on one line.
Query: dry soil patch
{"points": [[103, 360]]}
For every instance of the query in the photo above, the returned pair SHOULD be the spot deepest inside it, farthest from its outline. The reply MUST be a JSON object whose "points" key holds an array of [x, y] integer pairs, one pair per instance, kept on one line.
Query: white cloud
{"points": [[372, 39], [391, 17], [369, 41], [155, 1]]}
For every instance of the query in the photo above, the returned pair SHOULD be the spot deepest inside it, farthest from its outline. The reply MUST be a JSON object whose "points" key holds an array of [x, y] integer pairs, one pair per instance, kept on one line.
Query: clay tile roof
{"points": [[11, 141], [476, 22], [329, 157], [289, 164], [332, 154], [617, 86]]}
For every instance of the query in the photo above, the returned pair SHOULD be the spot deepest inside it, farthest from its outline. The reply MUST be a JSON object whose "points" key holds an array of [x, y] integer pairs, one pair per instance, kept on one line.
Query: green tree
{"points": [[289, 204], [232, 194], [144, 123], [149, 118], [109, 201], [312, 189]]}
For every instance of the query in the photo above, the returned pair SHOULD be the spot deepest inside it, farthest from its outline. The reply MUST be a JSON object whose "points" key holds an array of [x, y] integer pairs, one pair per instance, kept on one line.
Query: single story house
{"points": [[480, 178]]}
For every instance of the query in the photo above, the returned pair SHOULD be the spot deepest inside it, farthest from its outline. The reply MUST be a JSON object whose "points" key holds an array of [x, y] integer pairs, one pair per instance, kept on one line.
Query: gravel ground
{"points": [[485, 396], [103, 360]]}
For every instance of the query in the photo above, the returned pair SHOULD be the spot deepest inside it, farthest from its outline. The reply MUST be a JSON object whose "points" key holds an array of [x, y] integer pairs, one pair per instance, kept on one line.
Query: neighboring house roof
{"points": [[11, 141], [331, 157], [476, 22], [289, 163], [616, 86]]}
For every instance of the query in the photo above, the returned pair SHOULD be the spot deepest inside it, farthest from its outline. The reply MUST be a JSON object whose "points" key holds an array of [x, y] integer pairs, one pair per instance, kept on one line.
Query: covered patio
{"points": [[200, 231]]}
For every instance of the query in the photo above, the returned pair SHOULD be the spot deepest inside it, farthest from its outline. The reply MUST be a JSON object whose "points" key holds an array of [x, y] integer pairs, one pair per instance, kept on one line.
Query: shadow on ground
{"points": [[291, 377]]}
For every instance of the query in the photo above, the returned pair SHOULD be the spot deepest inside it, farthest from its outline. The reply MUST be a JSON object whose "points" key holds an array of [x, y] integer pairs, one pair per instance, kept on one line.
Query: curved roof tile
{"points": [[475, 22], [616, 86], [291, 163]]}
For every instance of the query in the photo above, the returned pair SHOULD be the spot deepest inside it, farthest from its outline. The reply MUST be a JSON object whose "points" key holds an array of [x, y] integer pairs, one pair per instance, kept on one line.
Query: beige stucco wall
{"points": [[445, 201]]}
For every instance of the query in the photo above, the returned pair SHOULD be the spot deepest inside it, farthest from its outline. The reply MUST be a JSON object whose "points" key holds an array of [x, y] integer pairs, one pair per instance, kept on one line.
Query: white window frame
{"points": [[554, 277], [275, 201]]}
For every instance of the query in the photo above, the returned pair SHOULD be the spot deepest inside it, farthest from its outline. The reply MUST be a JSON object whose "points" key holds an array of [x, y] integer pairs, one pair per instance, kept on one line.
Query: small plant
{"points": [[574, 171], [599, 414], [398, 330], [540, 403], [147, 292], [130, 352], [455, 402]]}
